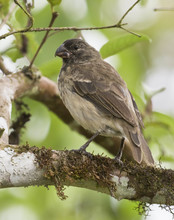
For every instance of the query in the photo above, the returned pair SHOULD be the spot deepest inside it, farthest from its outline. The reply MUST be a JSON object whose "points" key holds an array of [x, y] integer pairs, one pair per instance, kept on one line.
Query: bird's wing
{"points": [[140, 120], [109, 95]]}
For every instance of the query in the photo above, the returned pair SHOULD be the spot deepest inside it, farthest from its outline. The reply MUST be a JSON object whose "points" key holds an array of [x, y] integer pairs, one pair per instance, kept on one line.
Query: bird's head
{"points": [[76, 50]]}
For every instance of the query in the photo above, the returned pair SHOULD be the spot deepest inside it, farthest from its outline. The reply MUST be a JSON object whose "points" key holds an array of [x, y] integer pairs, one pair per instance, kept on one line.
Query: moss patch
{"points": [[151, 184]]}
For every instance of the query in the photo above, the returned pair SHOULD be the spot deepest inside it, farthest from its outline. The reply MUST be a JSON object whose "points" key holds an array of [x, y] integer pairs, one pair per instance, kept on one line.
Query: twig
{"points": [[51, 34], [163, 9], [120, 21], [60, 29], [25, 29], [131, 32], [3, 68], [4, 21], [54, 16], [117, 25]]}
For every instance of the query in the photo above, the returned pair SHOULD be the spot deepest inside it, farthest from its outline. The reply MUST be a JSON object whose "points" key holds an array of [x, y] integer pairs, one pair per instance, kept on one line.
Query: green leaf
{"points": [[159, 127], [4, 5], [131, 212], [21, 18], [148, 95], [32, 44], [167, 158], [54, 2], [51, 67], [143, 2], [118, 44], [165, 120], [14, 54]]}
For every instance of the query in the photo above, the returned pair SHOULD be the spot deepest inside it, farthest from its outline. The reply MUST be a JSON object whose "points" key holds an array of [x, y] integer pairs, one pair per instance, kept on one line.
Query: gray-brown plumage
{"points": [[99, 100]]}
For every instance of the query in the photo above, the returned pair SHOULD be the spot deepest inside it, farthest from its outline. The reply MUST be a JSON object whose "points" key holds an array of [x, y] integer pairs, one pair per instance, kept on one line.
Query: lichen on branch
{"points": [[26, 166]]}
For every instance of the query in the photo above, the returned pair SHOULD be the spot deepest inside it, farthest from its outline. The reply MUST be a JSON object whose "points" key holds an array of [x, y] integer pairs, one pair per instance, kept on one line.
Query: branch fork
{"points": [[119, 24]]}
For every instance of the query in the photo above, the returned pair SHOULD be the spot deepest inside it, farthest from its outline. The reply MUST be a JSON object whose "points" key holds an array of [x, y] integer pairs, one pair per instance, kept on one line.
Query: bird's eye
{"points": [[76, 47]]}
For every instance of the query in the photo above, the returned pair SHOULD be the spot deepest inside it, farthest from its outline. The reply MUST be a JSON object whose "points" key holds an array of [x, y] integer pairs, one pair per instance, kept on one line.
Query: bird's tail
{"points": [[146, 153], [137, 148]]}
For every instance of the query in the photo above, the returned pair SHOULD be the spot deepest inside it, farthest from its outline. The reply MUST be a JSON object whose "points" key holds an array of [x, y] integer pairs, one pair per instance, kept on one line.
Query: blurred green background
{"points": [[146, 66]]}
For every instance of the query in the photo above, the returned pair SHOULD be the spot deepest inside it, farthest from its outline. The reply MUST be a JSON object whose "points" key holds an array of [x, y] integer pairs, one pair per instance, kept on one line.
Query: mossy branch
{"points": [[66, 168]]}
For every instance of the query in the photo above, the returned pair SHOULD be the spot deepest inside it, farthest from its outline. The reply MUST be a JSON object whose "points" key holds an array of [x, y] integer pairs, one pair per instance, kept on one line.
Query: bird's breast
{"points": [[85, 112]]}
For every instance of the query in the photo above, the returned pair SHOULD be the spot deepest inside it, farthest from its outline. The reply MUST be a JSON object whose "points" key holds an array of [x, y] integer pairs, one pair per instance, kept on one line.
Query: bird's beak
{"points": [[62, 52]]}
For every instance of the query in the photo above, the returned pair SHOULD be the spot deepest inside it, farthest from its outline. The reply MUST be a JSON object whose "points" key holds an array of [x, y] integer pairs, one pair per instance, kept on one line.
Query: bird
{"points": [[99, 100]]}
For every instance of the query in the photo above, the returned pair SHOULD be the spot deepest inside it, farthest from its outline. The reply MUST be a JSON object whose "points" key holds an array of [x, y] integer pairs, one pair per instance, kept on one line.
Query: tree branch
{"points": [[54, 16], [119, 24], [3, 67], [25, 166]]}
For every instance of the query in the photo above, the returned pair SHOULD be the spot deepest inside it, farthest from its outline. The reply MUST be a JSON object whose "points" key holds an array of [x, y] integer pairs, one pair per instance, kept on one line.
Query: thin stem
{"points": [[57, 29], [51, 34], [131, 32], [120, 21], [54, 16], [60, 29], [117, 25], [163, 9], [29, 16], [3, 68], [4, 21]]}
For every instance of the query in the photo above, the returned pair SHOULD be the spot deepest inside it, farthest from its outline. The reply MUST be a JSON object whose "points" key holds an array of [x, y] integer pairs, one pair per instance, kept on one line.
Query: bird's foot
{"points": [[118, 161], [82, 150], [120, 152]]}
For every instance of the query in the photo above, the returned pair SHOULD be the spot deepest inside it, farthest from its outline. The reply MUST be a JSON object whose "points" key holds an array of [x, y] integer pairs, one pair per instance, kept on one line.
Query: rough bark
{"points": [[26, 166]]}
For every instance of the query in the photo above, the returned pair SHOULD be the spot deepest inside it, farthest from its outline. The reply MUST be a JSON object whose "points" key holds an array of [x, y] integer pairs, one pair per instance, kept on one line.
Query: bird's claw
{"points": [[82, 152], [118, 161]]}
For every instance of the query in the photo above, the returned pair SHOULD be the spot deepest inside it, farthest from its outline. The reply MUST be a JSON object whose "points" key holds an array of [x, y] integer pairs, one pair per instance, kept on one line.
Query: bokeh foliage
{"points": [[131, 57]]}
